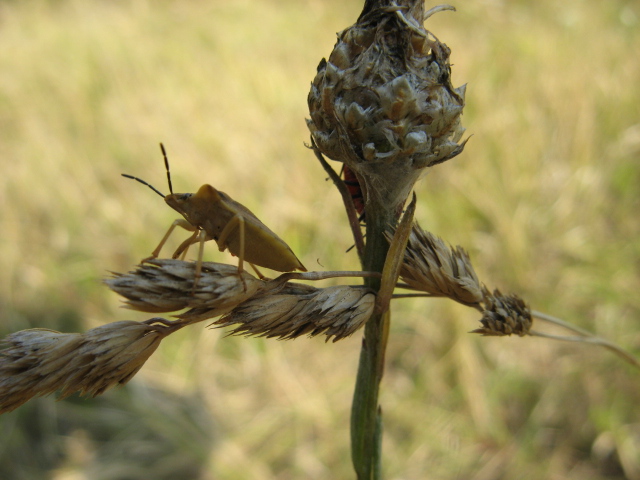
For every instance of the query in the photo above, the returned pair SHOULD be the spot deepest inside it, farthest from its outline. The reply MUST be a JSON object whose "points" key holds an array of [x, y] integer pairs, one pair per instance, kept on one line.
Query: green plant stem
{"points": [[366, 416]]}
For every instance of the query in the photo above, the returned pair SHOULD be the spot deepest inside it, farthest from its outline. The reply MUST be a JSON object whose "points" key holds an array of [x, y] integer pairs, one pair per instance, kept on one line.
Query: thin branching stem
{"points": [[325, 275], [561, 323], [352, 214], [593, 340], [584, 336], [475, 306]]}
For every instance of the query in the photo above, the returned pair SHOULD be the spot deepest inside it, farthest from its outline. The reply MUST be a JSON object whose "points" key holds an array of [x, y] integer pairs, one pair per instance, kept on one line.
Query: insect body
{"points": [[213, 215], [351, 181]]}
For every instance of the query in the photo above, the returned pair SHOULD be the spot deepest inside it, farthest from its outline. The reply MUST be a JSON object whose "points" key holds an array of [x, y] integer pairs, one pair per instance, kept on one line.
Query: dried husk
{"points": [[168, 286], [297, 309], [504, 315], [39, 362], [383, 102], [432, 266]]}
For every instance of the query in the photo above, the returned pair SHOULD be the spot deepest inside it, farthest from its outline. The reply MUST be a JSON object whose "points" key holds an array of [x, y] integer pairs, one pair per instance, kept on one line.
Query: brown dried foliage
{"points": [[167, 286], [298, 309], [431, 266], [39, 362], [504, 315]]}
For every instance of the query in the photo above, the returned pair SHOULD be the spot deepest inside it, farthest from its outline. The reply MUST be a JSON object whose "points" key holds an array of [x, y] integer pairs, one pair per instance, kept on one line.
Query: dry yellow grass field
{"points": [[545, 198]]}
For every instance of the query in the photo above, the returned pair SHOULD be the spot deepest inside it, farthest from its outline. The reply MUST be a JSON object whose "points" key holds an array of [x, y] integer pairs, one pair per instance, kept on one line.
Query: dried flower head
{"points": [[504, 315], [167, 286], [39, 362], [296, 309], [431, 266], [383, 102]]}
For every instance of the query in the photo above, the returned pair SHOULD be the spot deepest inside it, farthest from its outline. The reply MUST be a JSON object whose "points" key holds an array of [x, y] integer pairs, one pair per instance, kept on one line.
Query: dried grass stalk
{"points": [[39, 362], [167, 286], [431, 266], [296, 309], [504, 315]]}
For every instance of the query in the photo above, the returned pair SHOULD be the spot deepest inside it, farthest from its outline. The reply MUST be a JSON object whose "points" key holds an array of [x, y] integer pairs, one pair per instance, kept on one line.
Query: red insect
{"points": [[351, 181]]}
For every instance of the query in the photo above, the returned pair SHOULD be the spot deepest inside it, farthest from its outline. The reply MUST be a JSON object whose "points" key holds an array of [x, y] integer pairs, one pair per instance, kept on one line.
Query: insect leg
{"points": [[180, 222], [255, 269], [202, 237], [199, 236], [236, 221], [184, 246]]}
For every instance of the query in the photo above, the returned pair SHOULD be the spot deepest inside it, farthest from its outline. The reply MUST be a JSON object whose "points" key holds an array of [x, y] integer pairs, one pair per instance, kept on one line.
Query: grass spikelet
{"points": [[39, 362], [159, 286], [431, 266], [298, 309], [504, 315]]}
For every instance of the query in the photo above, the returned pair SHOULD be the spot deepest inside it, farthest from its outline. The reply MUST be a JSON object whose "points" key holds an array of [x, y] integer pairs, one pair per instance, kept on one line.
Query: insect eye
{"points": [[185, 196]]}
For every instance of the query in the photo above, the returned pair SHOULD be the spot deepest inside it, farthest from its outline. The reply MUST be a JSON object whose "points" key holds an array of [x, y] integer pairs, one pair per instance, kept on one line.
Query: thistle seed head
{"points": [[383, 102]]}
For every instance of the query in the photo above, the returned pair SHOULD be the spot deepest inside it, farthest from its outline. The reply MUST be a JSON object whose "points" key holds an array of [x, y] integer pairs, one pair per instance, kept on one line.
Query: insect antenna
{"points": [[166, 164], [144, 183]]}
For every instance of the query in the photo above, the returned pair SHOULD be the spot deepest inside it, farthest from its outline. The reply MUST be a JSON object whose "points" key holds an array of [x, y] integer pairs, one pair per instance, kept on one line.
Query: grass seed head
{"points": [[39, 362], [167, 286], [298, 309], [504, 315], [432, 266]]}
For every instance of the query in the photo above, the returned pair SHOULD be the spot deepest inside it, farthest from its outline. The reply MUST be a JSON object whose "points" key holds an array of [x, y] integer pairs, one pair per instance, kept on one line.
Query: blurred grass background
{"points": [[545, 198]]}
